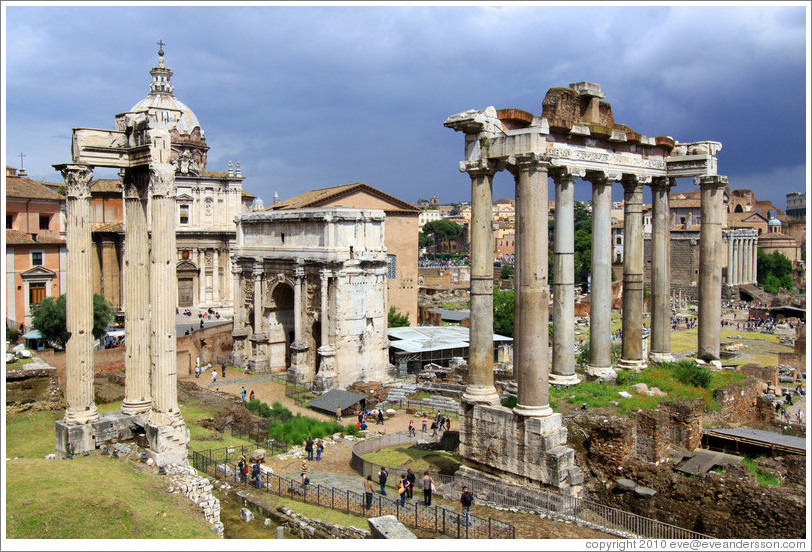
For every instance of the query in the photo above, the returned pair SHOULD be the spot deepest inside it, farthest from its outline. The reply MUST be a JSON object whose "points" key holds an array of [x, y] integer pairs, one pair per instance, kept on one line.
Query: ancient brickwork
{"points": [[611, 442], [768, 374], [740, 402], [685, 423], [652, 436]]}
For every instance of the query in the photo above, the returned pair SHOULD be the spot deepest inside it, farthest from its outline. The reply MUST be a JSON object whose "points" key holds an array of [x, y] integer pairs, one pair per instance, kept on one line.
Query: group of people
{"points": [[250, 397], [440, 422], [310, 444], [363, 416], [255, 470]]}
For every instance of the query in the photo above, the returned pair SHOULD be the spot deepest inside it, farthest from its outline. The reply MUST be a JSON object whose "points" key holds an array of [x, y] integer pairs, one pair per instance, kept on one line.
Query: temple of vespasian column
{"points": [[574, 137], [140, 146]]}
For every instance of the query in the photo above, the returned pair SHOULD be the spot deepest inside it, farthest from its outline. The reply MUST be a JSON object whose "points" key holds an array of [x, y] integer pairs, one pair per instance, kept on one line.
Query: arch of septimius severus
{"points": [[574, 137], [140, 146]]}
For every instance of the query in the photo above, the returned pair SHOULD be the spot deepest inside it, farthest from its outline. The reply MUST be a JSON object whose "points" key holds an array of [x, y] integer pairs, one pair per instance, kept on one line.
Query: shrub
{"points": [[690, 373], [12, 335], [509, 402]]}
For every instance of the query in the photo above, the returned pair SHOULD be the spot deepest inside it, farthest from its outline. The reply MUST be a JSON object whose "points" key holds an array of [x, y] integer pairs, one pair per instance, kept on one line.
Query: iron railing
{"points": [[433, 518]]}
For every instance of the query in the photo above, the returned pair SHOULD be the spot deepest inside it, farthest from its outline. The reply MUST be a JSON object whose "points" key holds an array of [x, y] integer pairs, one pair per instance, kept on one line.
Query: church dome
{"points": [[774, 222], [160, 96]]}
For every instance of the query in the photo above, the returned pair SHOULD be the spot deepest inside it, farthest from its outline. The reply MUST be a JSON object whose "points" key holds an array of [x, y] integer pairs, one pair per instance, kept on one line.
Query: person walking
{"points": [[425, 423], [402, 484], [411, 478], [434, 428], [466, 499], [224, 371], [256, 475], [338, 414], [308, 445], [197, 371], [243, 394], [214, 376], [448, 424], [383, 475], [251, 396], [319, 449], [303, 473], [369, 490], [428, 487], [380, 417], [241, 467], [411, 428]]}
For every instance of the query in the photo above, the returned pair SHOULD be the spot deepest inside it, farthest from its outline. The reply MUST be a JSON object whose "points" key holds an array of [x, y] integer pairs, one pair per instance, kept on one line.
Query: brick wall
{"points": [[685, 423], [740, 402], [763, 373], [611, 442], [652, 436]]}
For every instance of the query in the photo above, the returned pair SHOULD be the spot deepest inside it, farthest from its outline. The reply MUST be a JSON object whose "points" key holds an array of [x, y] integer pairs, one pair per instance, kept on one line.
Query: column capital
{"points": [[77, 180], [567, 172], [662, 182], [235, 269], [711, 181], [162, 179], [258, 269], [635, 180], [479, 167], [602, 177], [135, 183], [298, 272], [527, 161]]}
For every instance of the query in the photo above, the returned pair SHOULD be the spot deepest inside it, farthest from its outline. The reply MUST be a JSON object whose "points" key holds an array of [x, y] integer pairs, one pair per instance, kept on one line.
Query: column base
{"points": [[657, 358], [76, 439], [136, 408], [627, 364], [299, 372], [605, 373], [481, 394], [260, 365], [566, 381], [534, 411], [81, 417], [168, 443]]}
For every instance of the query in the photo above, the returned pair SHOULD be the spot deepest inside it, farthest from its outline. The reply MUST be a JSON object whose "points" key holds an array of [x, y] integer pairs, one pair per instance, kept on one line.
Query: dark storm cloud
{"points": [[308, 97]]}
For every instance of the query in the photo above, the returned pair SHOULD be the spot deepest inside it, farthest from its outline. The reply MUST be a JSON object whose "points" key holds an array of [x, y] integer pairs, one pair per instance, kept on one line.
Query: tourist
{"points": [[303, 473], [411, 428], [224, 371], [241, 466], [425, 422], [428, 487], [411, 478], [402, 484], [214, 376], [251, 396], [360, 417], [338, 414], [243, 394], [369, 490], [201, 322], [438, 416], [187, 332], [448, 424], [363, 426], [256, 475], [383, 475], [434, 428], [319, 449], [466, 499], [308, 445], [380, 417], [197, 371]]}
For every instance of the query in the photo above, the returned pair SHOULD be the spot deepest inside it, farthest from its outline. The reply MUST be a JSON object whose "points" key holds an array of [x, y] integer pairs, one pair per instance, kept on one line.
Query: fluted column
{"points": [[79, 370], [163, 296], [730, 258], [215, 280], [600, 313], [258, 274], [530, 353], [300, 372], [327, 377], [480, 389], [137, 392], [736, 260], [632, 355], [750, 260], [660, 350], [298, 307], [229, 281], [710, 267], [754, 273], [563, 368]]}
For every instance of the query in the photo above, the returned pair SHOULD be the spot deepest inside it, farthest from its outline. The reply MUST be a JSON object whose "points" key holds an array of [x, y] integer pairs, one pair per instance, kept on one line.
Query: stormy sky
{"points": [[307, 96]]}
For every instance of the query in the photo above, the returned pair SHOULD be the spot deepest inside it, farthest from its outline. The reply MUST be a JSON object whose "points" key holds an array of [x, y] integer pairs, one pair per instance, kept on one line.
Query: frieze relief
{"points": [[607, 158]]}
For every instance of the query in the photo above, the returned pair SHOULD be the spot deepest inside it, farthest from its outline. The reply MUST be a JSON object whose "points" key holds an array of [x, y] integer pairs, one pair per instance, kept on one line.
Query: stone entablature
{"points": [[310, 295]]}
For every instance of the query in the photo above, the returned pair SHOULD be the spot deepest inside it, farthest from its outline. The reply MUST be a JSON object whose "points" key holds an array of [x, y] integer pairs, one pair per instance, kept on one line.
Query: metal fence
{"points": [[221, 462], [577, 510], [433, 518]]}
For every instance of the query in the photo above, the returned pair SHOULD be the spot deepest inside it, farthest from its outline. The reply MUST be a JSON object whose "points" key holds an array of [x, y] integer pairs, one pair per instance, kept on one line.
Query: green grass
{"points": [[19, 363], [88, 497], [417, 459], [763, 476]]}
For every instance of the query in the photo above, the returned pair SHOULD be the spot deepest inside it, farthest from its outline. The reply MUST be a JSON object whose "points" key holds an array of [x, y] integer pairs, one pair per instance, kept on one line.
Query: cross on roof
{"points": [[21, 159], [161, 45]]}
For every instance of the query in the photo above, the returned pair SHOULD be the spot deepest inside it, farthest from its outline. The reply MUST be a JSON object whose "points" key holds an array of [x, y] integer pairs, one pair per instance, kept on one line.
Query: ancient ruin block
{"points": [[685, 427], [611, 442], [652, 436]]}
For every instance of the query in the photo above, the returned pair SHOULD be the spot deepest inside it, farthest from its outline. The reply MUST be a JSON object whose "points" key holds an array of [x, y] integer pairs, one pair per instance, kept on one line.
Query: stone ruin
{"points": [[574, 137], [140, 146]]}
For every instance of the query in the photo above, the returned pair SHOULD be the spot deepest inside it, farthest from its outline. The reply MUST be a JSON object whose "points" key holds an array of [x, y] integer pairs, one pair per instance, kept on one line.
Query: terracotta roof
{"points": [[106, 185], [106, 226], [736, 218], [25, 188], [776, 236], [246, 194], [15, 237], [217, 174], [318, 198], [682, 228], [675, 203]]}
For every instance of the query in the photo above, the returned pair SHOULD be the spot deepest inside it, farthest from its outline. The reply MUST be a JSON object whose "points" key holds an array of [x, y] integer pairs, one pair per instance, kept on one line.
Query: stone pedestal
{"points": [[496, 442], [299, 373], [259, 362], [326, 378], [167, 443], [76, 439]]}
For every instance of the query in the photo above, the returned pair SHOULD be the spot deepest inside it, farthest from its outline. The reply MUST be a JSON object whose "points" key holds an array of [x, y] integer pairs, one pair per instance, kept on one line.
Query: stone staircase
{"points": [[401, 391]]}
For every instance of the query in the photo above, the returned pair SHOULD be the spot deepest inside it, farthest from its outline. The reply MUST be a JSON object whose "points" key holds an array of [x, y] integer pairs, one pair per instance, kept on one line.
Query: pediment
{"points": [[754, 217], [184, 197], [38, 272], [187, 266]]}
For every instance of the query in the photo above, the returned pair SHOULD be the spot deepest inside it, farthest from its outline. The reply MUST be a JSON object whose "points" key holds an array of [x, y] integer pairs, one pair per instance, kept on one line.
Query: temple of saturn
{"points": [[575, 137], [140, 147]]}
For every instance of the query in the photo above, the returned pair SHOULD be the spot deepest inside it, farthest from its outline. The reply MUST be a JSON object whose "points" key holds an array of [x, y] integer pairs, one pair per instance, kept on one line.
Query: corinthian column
{"points": [[326, 378], [79, 371], [137, 392], [563, 370], [632, 356], [729, 236], [299, 372], [238, 331], [480, 389], [736, 255], [215, 281], [600, 309], [660, 350], [710, 266], [530, 355]]}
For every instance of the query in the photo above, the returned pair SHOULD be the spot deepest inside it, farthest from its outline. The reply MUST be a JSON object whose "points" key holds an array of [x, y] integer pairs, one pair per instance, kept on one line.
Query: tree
{"points": [[507, 271], [774, 271], [443, 229], [50, 318], [397, 320], [503, 312], [423, 240]]}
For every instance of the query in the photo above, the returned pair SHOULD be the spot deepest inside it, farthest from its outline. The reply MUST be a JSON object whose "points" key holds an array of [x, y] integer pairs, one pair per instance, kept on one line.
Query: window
{"points": [[184, 214], [44, 222], [393, 267], [9, 222], [36, 258], [36, 293]]}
